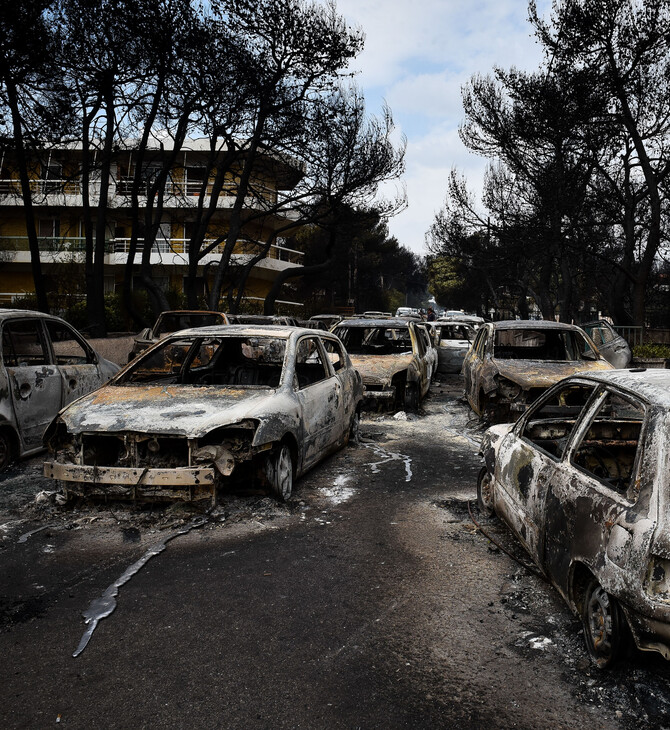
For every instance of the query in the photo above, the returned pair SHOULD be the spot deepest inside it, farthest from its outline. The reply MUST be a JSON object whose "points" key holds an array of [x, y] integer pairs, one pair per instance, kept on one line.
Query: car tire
{"points": [[482, 403], [411, 397], [485, 492], [279, 472], [604, 625], [7, 449]]}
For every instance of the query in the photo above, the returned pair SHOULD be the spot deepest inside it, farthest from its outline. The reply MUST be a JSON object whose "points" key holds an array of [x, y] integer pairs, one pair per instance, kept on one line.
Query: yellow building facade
{"points": [[58, 207]]}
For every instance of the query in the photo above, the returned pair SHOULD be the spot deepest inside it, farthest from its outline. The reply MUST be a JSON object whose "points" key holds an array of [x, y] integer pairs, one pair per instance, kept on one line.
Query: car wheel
{"points": [[485, 492], [279, 472], [482, 403], [7, 451], [604, 625], [355, 427], [411, 399]]}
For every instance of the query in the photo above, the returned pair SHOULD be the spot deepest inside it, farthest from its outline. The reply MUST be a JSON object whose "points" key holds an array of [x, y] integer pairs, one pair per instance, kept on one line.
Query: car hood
{"points": [[171, 409], [453, 344], [380, 368], [543, 373]]}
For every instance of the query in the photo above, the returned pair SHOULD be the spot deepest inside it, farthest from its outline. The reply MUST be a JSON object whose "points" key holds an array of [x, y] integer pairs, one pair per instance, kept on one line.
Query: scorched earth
{"points": [[369, 600]]}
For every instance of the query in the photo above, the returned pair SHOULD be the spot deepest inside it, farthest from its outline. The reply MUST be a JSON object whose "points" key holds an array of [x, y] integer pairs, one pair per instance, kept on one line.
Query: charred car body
{"points": [[611, 345], [395, 357], [512, 362], [172, 321], [453, 339], [44, 365], [206, 405], [583, 480]]}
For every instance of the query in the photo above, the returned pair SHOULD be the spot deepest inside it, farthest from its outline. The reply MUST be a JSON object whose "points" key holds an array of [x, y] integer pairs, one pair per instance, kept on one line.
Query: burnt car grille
{"points": [[373, 386], [114, 450]]}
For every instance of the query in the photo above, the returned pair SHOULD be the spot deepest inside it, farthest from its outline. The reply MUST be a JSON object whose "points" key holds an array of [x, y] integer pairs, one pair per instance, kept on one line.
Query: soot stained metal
{"points": [[583, 480], [206, 406], [395, 357]]}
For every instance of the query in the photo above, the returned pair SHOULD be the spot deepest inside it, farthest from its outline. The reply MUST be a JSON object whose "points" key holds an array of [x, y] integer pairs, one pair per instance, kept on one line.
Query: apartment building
{"points": [[58, 200]]}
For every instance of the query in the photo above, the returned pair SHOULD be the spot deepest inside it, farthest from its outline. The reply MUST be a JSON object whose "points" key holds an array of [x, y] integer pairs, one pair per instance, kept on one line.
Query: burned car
{"points": [[472, 319], [263, 319], [395, 358], [583, 481], [44, 364], [452, 340], [512, 362], [611, 345], [171, 321], [205, 406]]}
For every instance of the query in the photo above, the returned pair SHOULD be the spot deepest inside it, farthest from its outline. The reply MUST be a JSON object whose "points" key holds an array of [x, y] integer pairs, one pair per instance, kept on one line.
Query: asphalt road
{"points": [[370, 600]]}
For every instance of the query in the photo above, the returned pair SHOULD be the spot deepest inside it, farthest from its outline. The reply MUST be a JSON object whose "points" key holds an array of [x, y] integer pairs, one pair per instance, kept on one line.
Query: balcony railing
{"points": [[194, 188], [243, 246], [123, 186], [179, 246], [48, 244], [42, 187]]}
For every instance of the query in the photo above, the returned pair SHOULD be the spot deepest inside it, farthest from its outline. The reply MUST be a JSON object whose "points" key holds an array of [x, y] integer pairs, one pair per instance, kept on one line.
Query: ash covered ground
{"points": [[432, 624]]}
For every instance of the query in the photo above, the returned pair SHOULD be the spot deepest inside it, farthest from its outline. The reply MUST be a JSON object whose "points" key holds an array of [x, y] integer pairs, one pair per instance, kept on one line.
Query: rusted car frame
{"points": [[395, 357], [453, 339], [206, 406], [612, 346], [583, 480], [513, 362], [44, 364]]}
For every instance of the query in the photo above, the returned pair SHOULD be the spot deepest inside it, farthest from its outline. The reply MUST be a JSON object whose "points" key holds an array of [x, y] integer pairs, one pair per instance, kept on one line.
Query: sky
{"points": [[418, 54]]}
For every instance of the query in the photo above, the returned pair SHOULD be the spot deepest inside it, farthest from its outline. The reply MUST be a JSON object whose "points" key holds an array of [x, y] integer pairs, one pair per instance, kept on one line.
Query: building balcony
{"points": [[172, 251], [177, 195]]}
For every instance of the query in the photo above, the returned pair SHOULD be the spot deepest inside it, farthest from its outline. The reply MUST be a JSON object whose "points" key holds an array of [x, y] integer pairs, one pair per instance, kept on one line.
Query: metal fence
{"points": [[638, 335]]}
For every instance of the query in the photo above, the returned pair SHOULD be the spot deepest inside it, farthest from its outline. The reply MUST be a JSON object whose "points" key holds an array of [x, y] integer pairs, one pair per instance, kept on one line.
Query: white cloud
{"points": [[417, 56]]}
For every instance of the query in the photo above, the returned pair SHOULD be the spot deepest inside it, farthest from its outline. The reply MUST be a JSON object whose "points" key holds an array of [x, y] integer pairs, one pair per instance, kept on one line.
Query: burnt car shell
{"points": [[395, 357], [221, 402], [501, 380], [171, 321], [583, 480], [44, 364], [612, 346], [453, 340]]}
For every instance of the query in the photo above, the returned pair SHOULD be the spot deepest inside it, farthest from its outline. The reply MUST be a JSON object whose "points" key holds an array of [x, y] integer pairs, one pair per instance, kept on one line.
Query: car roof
{"points": [[190, 311], [6, 313], [386, 322], [534, 324], [653, 385], [451, 322], [269, 330]]}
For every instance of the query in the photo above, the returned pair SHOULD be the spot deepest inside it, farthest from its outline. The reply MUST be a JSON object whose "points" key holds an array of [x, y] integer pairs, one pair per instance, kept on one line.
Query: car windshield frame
{"points": [[224, 360], [374, 340], [541, 345]]}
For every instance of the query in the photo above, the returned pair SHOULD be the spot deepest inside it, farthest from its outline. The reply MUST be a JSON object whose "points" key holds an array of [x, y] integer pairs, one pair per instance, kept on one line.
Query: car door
{"points": [[75, 360], [320, 395], [596, 488], [421, 363], [528, 459], [430, 351], [35, 383], [472, 365], [349, 383]]}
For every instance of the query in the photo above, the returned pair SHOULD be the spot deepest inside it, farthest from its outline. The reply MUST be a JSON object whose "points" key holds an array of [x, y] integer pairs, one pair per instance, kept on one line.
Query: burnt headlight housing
{"points": [[508, 390], [657, 579]]}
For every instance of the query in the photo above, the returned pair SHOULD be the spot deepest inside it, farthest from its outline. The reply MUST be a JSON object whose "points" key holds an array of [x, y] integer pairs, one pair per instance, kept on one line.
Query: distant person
{"points": [[431, 315]]}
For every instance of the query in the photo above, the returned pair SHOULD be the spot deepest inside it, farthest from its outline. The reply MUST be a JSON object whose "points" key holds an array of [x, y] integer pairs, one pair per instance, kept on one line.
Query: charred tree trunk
{"points": [[26, 196]]}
